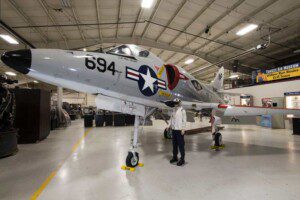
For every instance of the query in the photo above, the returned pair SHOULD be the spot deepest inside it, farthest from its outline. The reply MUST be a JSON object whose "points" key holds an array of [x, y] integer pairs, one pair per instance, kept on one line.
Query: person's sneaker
{"points": [[180, 162], [173, 160]]}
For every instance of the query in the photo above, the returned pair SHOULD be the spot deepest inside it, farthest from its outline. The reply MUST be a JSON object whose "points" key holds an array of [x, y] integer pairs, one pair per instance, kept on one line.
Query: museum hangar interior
{"points": [[90, 92]]}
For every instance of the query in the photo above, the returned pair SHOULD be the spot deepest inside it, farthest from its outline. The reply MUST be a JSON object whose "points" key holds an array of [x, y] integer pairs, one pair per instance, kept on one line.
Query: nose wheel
{"points": [[217, 141], [132, 159]]}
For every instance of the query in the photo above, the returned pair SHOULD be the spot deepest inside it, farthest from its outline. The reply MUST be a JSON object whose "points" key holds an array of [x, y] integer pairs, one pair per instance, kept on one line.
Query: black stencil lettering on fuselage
{"points": [[99, 63]]}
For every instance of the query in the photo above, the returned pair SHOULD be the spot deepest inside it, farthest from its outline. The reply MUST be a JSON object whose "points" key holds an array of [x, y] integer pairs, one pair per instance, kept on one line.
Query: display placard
{"points": [[292, 101], [288, 71]]}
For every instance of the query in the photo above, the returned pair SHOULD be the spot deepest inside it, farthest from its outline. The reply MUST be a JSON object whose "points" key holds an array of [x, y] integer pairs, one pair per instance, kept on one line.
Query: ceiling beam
{"points": [[289, 40], [137, 19], [243, 19], [283, 31], [203, 9], [160, 53], [271, 20], [218, 19], [179, 8], [53, 20], [172, 55], [98, 18], [151, 17], [28, 20], [77, 21], [119, 17]]}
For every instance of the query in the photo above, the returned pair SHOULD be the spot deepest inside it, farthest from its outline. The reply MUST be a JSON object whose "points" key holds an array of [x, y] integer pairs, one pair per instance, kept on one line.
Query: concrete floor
{"points": [[257, 163]]}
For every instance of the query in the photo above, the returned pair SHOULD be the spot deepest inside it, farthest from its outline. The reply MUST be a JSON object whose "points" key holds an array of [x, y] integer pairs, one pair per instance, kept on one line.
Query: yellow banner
{"points": [[289, 73]]}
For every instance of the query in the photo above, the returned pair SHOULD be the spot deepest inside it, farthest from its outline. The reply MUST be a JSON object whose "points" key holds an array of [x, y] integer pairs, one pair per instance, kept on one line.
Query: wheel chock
{"points": [[218, 147], [124, 167], [132, 169], [141, 164]]}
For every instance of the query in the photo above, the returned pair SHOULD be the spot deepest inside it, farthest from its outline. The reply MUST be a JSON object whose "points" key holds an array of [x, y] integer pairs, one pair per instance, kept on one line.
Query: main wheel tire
{"points": [[167, 134], [218, 139], [132, 161]]}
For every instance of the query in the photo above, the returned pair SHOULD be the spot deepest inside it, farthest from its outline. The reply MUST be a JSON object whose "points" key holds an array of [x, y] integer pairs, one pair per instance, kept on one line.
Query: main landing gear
{"points": [[217, 143], [132, 159]]}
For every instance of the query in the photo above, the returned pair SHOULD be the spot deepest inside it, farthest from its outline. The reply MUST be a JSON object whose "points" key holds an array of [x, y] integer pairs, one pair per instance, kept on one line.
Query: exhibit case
{"points": [[292, 101], [246, 100]]}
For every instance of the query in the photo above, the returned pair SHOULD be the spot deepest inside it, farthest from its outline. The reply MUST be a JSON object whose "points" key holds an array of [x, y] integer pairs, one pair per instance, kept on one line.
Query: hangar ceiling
{"points": [[175, 30]]}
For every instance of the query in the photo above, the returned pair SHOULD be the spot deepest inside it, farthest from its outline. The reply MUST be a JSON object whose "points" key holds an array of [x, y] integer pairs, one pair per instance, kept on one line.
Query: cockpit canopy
{"points": [[129, 50]]}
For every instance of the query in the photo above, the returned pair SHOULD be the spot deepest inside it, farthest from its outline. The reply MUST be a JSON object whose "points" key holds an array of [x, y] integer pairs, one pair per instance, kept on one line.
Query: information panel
{"points": [[288, 71]]}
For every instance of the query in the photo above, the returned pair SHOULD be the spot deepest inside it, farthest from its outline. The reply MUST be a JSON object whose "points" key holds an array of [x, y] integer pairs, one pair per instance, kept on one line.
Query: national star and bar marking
{"points": [[147, 79]]}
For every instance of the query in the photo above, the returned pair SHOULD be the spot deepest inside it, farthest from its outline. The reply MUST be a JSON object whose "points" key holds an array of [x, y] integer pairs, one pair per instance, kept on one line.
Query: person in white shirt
{"points": [[177, 125]]}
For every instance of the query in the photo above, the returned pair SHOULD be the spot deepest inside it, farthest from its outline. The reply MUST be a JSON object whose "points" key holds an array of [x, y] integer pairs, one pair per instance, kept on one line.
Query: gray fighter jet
{"points": [[131, 80]]}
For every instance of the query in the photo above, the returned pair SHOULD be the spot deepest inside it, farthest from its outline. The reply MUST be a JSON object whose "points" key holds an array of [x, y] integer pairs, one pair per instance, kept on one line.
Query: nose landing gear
{"points": [[132, 159], [217, 143]]}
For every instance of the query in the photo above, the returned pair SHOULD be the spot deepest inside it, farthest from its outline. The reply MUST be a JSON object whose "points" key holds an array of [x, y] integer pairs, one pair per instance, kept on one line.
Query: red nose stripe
{"points": [[222, 106]]}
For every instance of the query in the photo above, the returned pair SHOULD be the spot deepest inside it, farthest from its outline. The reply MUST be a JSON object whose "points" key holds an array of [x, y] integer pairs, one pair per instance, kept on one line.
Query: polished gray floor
{"points": [[257, 163]]}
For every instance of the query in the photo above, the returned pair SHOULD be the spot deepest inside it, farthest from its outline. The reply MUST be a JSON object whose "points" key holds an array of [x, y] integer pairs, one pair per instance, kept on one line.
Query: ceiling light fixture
{"points": [[84, 49], [146, 3], [11, 73], [189, 61], [35, 81], [247, 29], [9, 39]]}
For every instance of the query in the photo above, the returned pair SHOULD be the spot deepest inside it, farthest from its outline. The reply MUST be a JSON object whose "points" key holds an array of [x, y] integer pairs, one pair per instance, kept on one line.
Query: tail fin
{"points": [[218, 80]]}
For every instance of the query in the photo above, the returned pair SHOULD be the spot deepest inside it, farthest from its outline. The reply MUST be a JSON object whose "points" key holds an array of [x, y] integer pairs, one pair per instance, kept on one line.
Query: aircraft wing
{"points": [[230, 110], [256, 110], [198, 105]]}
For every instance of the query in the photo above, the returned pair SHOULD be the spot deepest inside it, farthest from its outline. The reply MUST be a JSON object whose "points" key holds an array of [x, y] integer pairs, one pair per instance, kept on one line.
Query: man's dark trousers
{"points": [[178, 142]]}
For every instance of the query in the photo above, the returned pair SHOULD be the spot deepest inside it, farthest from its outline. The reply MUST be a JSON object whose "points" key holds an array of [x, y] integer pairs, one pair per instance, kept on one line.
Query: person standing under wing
{"points": [[177, 126]]}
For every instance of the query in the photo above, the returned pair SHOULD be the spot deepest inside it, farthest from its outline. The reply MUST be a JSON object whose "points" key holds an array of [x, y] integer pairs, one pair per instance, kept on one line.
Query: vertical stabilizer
{"points": [[218, 80]]}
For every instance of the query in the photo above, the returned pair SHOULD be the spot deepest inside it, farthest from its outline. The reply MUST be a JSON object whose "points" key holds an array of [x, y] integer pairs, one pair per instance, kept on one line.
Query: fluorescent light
{"points": [[84, 49], [35, 81], [189, 61], [146, 3], [233, 76], [9, 39], [10, 73], [247, 29]]}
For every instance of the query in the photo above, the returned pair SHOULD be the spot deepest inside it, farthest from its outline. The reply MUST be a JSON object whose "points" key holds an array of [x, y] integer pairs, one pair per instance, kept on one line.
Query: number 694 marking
{"points": [[100, 64]]}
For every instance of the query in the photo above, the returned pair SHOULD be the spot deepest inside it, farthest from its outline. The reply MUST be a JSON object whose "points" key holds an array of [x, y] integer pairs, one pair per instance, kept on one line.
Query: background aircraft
{"points": [[130, 80]]}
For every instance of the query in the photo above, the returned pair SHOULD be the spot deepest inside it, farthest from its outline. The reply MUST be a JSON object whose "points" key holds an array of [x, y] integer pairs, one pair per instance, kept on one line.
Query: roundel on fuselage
{"points": [[172, 75]]}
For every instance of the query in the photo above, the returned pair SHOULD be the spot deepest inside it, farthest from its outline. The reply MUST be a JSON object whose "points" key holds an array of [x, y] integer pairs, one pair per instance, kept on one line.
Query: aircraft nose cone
{"points": [[19, 60]]}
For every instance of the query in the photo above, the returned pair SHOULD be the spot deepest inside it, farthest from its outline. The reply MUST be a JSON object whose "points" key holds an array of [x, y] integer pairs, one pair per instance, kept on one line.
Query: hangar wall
{"points": [[266, 91]]}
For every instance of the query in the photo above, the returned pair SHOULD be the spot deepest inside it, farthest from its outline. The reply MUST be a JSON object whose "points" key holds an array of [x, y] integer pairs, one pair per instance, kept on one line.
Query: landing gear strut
{"points": [[132, 159], [217, 142]]}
